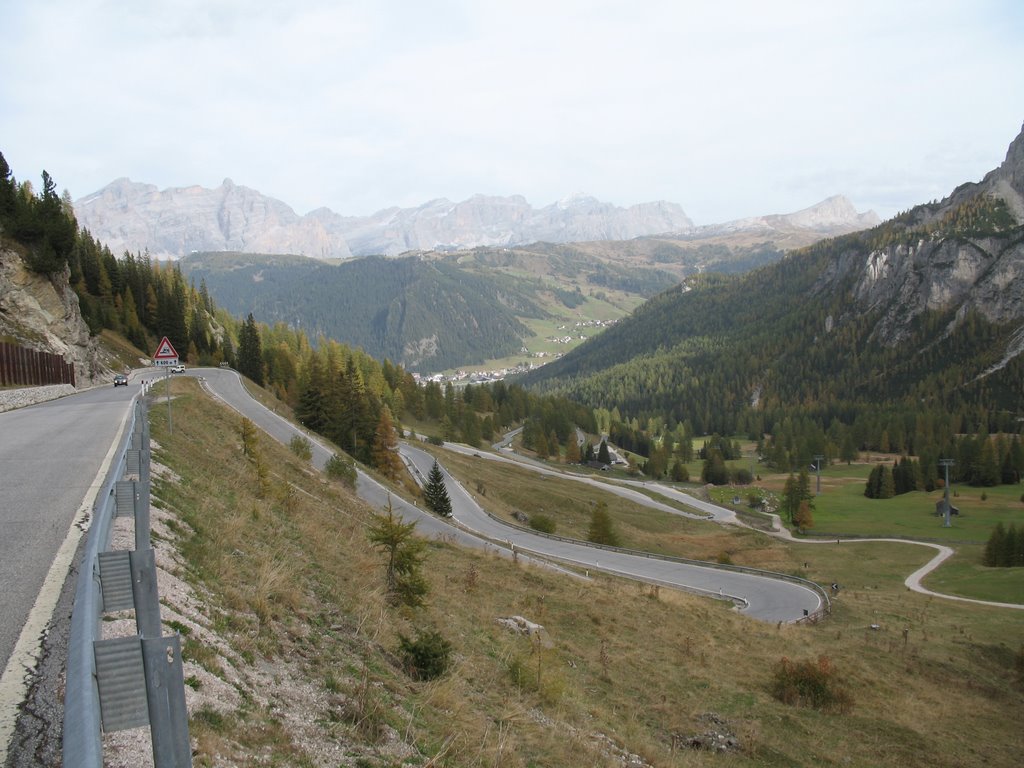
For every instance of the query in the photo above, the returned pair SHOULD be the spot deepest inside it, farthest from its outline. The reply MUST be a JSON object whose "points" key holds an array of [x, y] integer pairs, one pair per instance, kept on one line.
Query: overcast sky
{"points": [[729, 108]]}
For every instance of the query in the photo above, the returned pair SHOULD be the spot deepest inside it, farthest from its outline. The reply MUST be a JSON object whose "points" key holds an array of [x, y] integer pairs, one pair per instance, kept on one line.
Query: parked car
{"points": [[120, 379], [177, 369]]}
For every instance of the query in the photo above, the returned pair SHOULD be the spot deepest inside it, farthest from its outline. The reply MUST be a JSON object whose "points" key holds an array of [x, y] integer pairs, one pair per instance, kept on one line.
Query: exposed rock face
{"points": [[138, 217], [980, 274], [496, 221], [43, 314], [175, 222]]}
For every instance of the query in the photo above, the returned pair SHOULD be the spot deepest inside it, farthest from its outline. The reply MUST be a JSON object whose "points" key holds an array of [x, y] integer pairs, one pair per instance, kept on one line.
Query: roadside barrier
{"points": [[128, 682]]}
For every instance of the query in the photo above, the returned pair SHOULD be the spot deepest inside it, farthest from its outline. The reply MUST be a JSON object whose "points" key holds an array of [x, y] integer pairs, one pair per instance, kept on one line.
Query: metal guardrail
{"points": [[131, 681]]}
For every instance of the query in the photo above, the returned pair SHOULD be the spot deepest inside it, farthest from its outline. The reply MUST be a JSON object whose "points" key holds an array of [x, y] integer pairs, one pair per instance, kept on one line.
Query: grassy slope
{"points": [[290, 583]]}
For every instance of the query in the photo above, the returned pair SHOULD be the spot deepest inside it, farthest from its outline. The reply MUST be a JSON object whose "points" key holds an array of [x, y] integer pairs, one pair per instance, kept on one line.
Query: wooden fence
{"points": [[24, 367]]}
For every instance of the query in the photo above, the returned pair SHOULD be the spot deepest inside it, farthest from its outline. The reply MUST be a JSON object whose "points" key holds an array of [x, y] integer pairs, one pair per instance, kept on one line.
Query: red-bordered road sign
{"points": [[165, 354]]}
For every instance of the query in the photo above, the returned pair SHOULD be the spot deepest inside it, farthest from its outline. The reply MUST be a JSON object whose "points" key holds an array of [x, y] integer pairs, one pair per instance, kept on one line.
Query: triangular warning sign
{"points": [[165, 351]]}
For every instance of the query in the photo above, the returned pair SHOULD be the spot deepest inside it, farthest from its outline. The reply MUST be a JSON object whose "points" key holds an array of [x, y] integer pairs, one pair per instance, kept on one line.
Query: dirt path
{"points": [[913, 581]]}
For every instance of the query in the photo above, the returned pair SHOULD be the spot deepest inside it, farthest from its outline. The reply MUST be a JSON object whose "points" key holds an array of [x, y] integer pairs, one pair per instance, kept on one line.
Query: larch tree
{"points": [[385, 446]]}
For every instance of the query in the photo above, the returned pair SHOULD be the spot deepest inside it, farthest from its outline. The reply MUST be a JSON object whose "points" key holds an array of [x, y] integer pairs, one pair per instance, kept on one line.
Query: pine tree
{"points": [[436, 494], [680, 474], [403, 576], [250, 352], [994, 547], [602, 453]]}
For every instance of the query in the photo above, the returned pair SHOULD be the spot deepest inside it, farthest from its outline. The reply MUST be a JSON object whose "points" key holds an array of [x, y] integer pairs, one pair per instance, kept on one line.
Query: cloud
{"points": [[731, 109]]}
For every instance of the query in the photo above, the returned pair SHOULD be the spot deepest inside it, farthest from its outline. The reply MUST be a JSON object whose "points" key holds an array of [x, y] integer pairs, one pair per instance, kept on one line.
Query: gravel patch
{"points": [[19, 398]]}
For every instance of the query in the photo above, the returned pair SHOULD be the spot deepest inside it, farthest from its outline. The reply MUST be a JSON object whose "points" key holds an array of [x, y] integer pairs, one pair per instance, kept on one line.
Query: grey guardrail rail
{"points": [[82, 740], [125, 682]]}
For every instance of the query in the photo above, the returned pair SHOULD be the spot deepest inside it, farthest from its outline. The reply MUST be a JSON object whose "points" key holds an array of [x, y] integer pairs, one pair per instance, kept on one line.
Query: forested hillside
{"points": [[896, 338], [416, 312]]}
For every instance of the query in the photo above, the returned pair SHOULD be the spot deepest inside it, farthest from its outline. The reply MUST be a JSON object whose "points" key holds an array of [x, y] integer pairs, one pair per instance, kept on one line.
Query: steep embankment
{"points": [[41, 312]]}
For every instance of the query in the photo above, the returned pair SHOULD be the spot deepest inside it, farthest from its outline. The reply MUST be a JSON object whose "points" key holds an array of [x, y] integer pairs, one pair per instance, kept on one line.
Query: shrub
{"points": [[435, 440], [542, 523], [301, 447], [338, 468], [810, 684], [426, 657]]}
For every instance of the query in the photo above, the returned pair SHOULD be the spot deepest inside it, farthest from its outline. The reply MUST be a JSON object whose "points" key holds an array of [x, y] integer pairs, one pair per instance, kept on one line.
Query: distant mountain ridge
{"points": [[174, 222]]}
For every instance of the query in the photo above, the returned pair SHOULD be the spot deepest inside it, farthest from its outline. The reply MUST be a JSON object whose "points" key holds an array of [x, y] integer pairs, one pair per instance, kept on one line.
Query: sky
{"points": [[730, 108]]}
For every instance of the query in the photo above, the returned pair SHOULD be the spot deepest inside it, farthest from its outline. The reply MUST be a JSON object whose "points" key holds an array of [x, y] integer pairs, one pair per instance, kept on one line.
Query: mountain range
{"points": [[174, 222]]}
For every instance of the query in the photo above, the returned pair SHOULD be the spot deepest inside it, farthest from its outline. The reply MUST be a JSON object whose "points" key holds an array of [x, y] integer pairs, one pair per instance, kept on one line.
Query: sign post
{"points": [[166, 356]]}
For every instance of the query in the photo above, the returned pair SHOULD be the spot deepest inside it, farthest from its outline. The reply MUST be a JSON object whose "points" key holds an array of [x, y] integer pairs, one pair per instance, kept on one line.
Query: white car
{"points": [[177, 369]]}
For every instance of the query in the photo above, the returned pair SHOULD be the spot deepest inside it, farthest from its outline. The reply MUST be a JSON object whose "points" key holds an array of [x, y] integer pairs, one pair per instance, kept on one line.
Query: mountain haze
{"points": [[175, 222]]}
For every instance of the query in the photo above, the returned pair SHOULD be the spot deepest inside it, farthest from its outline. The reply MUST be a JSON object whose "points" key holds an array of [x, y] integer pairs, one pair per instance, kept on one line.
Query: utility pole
{"points": [[947, 463], [817, 467]]}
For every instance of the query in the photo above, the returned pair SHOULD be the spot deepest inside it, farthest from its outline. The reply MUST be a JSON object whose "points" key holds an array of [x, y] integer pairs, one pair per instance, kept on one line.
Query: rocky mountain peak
{"points": [[1007, 181], [831, 212]]}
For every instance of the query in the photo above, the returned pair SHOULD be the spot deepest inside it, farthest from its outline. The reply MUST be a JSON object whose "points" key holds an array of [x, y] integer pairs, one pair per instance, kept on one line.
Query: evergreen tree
{"points": [[987, 471], [887, 489], [715, 471], [602, 453], [994, 547], [436, 494], [848, 449], [791, 497], [405, 555], [680, 474], [250, 352], [601, 530]]}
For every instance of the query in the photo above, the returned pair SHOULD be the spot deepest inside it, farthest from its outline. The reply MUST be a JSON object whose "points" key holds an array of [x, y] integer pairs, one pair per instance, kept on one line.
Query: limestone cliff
{"points": [[41, 312], [935, 257]]}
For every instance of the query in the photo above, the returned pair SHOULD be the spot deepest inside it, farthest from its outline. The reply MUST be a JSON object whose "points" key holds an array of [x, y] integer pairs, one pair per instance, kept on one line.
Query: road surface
{"points": [[54, 457]]}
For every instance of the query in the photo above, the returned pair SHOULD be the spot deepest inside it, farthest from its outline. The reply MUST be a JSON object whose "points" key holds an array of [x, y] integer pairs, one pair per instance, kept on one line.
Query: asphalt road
{"points": [[50, 456], [765, 598]]}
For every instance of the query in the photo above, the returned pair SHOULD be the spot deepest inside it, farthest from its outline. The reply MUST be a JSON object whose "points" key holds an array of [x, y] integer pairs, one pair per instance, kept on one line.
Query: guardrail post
{"points": [[144, 592], [165, 692]]}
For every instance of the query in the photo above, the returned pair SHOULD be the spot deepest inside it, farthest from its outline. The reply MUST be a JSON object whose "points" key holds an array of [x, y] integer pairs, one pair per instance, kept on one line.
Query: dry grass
{"points": [[296, 590]]}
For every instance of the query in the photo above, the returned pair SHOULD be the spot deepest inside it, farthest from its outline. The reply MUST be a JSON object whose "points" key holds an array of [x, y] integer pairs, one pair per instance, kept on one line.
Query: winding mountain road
{"points": [[761, 597]]}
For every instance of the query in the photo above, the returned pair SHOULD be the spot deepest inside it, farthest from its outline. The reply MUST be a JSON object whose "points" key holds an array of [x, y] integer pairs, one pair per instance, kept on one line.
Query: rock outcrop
{"points": [[40, 312], [939, 270], [125, 215]]}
